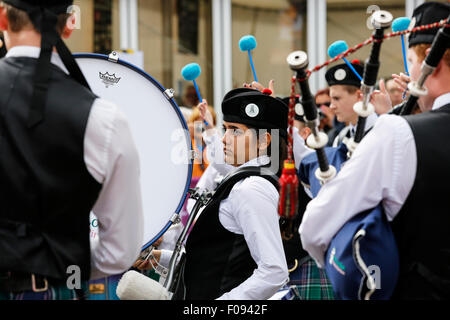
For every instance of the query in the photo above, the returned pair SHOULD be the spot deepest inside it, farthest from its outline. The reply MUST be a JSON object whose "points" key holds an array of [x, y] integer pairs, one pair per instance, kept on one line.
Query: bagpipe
{"points": [[366, 243], [417, 89], [362, 260]]}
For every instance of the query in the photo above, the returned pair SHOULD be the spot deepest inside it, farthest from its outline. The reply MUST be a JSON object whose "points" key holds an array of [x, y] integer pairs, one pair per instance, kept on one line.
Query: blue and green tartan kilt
{"points": [[308, 282], [53, 293]]}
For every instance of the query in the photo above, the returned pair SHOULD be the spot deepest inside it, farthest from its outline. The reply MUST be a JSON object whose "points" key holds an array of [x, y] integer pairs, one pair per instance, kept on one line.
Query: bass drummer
{"points": [[234, 251], [64, 152]]}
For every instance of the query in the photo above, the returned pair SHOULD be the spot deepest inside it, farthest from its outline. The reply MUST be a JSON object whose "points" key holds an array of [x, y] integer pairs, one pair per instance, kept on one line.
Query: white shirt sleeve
{"points": [[255, 211], [112, 159], [300, 149], [382, 169], [166, 255]]}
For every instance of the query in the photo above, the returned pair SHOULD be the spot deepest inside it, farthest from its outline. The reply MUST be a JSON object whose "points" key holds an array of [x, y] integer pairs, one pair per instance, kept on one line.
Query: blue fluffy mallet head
{"points": [[247, 43], [401, 24], [191, 71], [337, 47]]}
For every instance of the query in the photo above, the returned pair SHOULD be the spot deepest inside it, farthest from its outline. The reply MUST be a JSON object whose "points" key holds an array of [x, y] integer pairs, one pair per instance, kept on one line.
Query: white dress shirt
{"points": [[251, 209], [112, 159], [382, 169], [370, 122], [217, 168]]}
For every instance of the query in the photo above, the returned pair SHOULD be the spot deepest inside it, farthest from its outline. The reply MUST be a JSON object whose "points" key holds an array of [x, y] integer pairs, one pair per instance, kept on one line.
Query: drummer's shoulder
{"points": [[257, 187], [108, 127], [389, 127], [108, 113]]}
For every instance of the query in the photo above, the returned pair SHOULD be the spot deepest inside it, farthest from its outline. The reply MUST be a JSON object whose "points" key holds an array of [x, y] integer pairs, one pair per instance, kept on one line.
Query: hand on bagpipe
{"points": [[345, 262], [298, 62], [340, 50], [367, 239]]}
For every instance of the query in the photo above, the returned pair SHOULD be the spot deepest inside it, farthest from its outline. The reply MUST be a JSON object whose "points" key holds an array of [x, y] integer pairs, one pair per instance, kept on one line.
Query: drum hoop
{"points": [[180, 116]]}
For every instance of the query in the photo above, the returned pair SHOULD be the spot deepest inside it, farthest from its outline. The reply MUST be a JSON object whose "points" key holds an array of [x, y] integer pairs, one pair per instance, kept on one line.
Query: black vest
{"points": [[46, 191], [422, 226], [217, 260]]}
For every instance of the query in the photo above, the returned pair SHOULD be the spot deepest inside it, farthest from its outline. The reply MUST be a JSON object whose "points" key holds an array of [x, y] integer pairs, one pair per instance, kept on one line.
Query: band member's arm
{"points": [[112, 159], [382, 169], [256, 214], [301, 150]]}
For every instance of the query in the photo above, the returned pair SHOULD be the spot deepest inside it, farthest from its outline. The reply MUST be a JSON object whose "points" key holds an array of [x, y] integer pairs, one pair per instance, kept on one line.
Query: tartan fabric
{"points": [[308, 282], [53, 293], [105, 288]]}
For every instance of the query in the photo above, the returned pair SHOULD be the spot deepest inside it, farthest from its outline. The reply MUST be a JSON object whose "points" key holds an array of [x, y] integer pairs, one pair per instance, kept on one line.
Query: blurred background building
{"points": [[164, 35]]}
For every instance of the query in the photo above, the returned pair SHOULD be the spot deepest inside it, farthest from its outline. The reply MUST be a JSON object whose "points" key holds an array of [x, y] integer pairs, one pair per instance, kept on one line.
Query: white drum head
{"points": [[159, 131]]}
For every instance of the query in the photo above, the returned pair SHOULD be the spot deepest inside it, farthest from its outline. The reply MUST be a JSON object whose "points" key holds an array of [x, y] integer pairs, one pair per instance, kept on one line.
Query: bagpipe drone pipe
{"points": [[417, 89], [362, 260]]}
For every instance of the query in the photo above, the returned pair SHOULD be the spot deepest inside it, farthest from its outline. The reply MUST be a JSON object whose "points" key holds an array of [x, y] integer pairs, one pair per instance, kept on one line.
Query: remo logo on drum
{"points": [[109, 79]]}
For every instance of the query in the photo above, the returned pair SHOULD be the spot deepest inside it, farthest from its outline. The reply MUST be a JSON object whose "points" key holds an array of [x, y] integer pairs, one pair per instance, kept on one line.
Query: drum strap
{"points": [[224, 188], [45, 21]]}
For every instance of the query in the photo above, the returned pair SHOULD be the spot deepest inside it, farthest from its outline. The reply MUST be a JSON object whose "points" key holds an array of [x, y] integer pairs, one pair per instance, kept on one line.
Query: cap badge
{"points": [[299, 109], [252, 110], [340, 74]]}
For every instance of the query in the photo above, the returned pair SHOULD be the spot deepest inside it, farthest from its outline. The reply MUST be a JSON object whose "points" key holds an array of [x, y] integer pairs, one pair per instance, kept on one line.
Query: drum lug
{"points": [[169, 93], [175, 218], [113, 57], [193, 155]]}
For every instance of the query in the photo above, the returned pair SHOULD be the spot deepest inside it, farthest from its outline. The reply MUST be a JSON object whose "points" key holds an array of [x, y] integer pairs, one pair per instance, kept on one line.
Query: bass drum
{"points": [[162, 139]]}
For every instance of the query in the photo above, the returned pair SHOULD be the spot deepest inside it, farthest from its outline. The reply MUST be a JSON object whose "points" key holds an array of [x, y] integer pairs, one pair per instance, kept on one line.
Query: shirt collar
{"points": [[257, 162], [34, 52], [370, 122], [441, 101]]}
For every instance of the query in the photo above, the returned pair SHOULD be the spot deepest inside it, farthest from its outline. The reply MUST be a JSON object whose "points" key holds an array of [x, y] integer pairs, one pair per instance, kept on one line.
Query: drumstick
{"points": [[338, 47], [190, 72], [248, 43], [401, 24]]}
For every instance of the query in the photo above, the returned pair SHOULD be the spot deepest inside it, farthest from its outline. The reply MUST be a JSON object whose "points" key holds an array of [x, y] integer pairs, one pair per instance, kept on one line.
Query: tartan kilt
{"points": [[308, 282], [53, 293], [105, 288]]}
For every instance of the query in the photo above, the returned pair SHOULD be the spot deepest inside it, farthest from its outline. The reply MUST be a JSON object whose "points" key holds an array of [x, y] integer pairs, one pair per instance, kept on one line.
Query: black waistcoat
{"points": [[46, 191], [217, 260], [422, 226]]}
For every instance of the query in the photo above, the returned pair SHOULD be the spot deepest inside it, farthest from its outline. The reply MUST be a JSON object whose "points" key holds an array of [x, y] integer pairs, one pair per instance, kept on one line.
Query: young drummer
{"points": [[235, 250]]}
